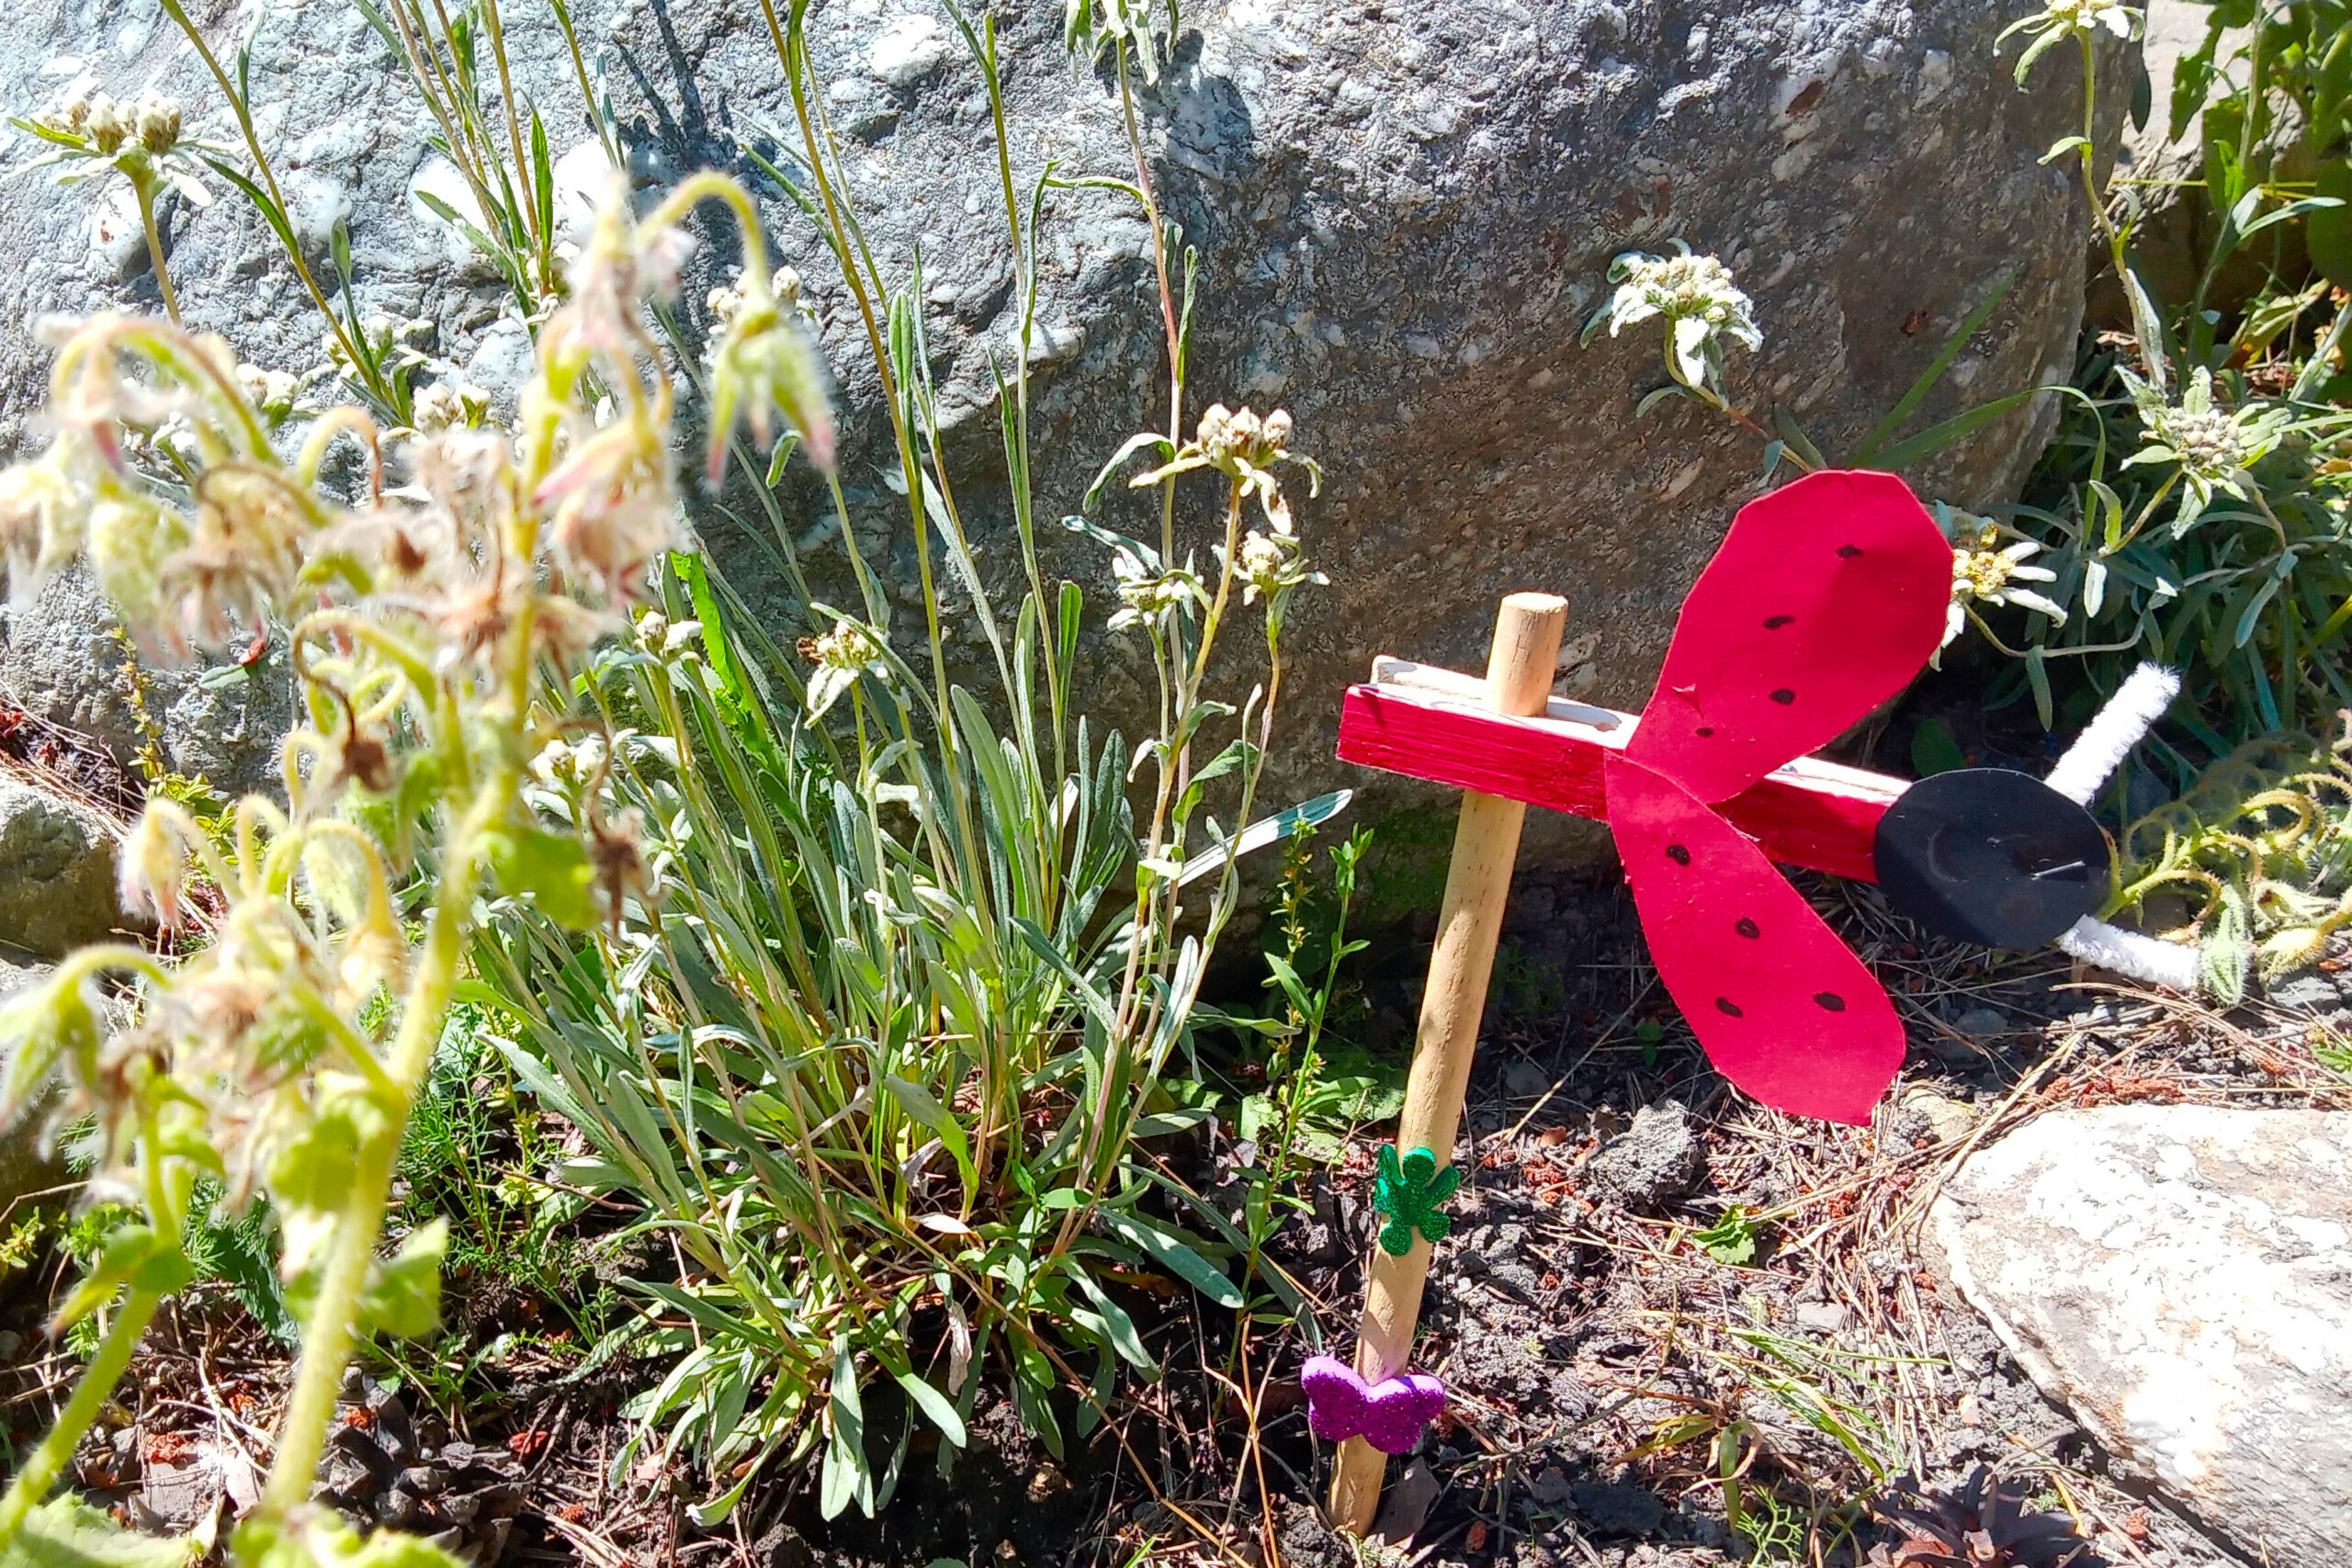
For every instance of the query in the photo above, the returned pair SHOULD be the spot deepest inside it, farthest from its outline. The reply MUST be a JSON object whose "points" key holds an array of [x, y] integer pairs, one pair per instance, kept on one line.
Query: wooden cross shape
{"points": [[1827, 597]]}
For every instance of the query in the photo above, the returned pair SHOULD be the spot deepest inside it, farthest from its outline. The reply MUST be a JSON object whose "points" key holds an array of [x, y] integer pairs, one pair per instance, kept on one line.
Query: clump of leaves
{"points": [[1731, 1240], [1982, 1523], [876, 1067], [2264, 842]]}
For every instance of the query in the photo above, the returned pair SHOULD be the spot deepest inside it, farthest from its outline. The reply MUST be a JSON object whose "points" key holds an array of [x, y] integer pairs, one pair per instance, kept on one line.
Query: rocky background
{"points": [[1404, 215]]}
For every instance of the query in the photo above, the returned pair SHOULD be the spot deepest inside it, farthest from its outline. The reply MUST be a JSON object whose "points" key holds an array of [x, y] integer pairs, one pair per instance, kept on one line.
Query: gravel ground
{"points": [[1605, 1365]]}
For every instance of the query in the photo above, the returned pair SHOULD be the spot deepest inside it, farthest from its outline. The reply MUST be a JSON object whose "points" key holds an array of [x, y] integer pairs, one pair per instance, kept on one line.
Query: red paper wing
{"points": [[1784, 1009], [1825, 598]]}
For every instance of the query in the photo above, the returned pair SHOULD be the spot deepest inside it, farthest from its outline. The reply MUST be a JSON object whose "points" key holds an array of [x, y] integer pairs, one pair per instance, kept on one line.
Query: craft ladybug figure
{"points": [[1826, 598]]}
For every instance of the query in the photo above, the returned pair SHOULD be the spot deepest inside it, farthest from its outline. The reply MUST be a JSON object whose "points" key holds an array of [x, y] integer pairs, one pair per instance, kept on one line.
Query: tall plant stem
{"points": [[173, 9], [1167, 317], [327, 1334], [48, 1461], [145, 193]]}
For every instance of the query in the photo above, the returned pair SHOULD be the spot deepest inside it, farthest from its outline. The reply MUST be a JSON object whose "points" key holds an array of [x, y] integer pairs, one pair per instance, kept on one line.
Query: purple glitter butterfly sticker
{"points": [[1389, 1415]]}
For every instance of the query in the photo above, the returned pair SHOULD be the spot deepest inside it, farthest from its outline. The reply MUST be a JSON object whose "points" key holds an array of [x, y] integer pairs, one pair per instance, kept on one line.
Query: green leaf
{"points": [[1120, 1327], [2251, 617], [1145, 440], [2328, 232], [66, 1532], [1165, 1249], [1268, 830], [1933, 749], [375, 19], [552, 867], [1936, 438], [1784, 425], [924, 1107], [846, 1475], [2037, 675], [1917, 391], [402, 1297], [936, 1406], [1730, 1241]]}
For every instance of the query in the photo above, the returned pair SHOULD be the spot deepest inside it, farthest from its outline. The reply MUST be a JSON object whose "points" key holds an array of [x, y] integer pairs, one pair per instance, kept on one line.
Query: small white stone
{"points": [[907, 50], [1935, 77]]}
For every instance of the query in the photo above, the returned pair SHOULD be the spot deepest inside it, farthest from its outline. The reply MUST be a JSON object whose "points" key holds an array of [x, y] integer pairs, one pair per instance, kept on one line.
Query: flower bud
{"points": [[434, 408], [158, 122], [766, 365], [111, 123], [43, 509], [131, 536], [151, 867]]}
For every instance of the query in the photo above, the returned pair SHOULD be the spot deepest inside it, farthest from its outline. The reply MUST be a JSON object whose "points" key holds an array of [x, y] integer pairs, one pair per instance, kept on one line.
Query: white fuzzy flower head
{"points": [[1702, 308], [2086, 16], [1988, 572], [157, 120], [44, 508], [1270, 564], [840, 655], [442, 406], [151, 866], [2059, 20], [1147, 592]]}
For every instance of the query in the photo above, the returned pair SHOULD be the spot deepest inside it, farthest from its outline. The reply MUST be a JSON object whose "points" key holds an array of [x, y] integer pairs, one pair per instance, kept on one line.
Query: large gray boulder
{"points": [[57, 866], [2181, 1278], [1404, 213]]}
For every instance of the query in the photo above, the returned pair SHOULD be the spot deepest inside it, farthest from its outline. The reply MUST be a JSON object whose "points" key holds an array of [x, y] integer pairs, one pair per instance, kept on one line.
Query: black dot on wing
{"points": [[1829, 1001], [1849, 551], [1704, 731], [1678, 854], [1728, 1007], [1748, 929], [1784, 696], [1774, 623]]}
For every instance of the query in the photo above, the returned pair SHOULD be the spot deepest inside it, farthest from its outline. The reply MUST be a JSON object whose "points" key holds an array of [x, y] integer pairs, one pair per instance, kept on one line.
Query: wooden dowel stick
{"points": [[1520, 667]]}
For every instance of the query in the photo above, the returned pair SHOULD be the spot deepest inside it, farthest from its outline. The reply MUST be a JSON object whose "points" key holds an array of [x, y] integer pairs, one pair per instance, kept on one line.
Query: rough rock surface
{"points": [[1658, 1159], [61, 657], [1403, 214], [56, 874], [2181, 1278], [26, 1166]]}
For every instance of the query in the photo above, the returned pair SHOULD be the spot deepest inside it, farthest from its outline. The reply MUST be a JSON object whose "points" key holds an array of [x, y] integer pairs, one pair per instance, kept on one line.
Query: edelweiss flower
{"points": [[1147, 592], [1244, 448], [840, 655], [1985, 571], [1701, 305], [1270, 564], [2060, 19], [2213, 447]]}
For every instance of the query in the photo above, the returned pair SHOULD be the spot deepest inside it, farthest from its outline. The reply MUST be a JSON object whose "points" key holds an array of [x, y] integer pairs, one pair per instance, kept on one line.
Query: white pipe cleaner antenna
{"points": [[2131, 952], [2126, 720], [2088, 764]]}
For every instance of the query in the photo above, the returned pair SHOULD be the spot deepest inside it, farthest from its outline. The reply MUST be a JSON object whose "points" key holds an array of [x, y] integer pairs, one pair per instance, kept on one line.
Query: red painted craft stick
{"points": [[1426, 722]]}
